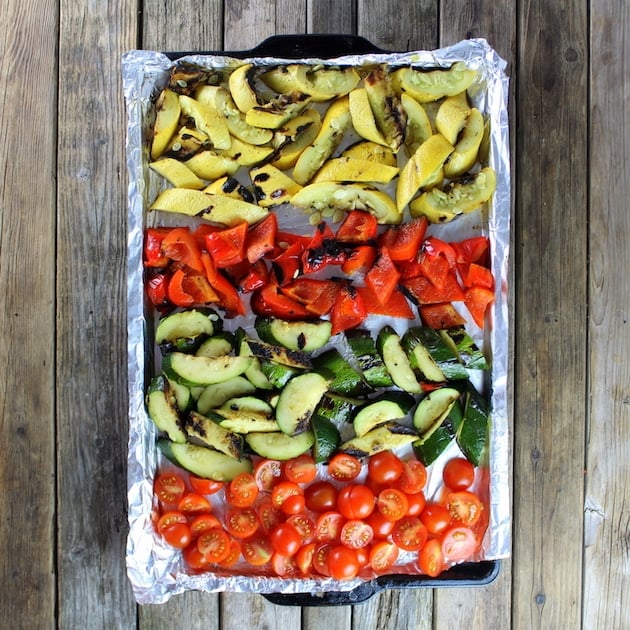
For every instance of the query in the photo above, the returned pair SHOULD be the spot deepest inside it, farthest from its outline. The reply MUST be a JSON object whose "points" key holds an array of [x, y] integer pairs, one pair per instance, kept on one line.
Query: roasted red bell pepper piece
{"points": [[180, 245], [153, 255], [201, 231], [176, 293], [360, 258], [256, 277], [439, 316], [474, 275], [477, 300], [317, 296], [269, 300], [423, 291], [407, 239], [288, 265], [157, 289], [229, 297], [396, 306], [382, 278], [348, 310], [227, 246], [261, 238], [434, 247], [198, 287], [472, 250], [322, 250], [358, 228], [436, 269]]}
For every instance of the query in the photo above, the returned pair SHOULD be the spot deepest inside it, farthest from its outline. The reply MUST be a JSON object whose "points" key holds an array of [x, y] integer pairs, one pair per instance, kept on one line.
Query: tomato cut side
{"points": [[267, 472], [304, 525], [283, 490], [459, 544], [431, 558], [356, 534], [241, 522], [304, 557], [242, 490], [301, 469], [464, 507], [203, 523], [392, 504], [257, 549], [328, 526], [268, 515], [168, 519], [194, 559], [205, 486], [383, 556], [194, 503], [283, 566], [409, 533], [169, 488], [233, 555], [320, 558], [344, 467], [214, 545]]}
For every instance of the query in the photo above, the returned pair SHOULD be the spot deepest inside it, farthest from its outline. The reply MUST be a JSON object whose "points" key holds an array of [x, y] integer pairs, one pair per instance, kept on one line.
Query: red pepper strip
{"points": [[286, 239], [409, 237], [438, 316], [436, 269], [434, 247], [383, 277], [156, 287], [257, 276], [261, 238], [202, 231], [472, 250], [269, 300], [474, 275], [176, 292], [358, 227], [348, 310], [180, 245], [227, 247], [396, 306], [477, 300], [229, 297], [198, 287], [288, 265], [361, 258], [317, 296], [322, 250], [423, 291], [153, 256]]}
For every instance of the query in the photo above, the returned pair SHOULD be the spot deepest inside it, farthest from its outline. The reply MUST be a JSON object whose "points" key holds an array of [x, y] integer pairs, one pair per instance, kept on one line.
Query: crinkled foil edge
{"points": [[154, 570]]}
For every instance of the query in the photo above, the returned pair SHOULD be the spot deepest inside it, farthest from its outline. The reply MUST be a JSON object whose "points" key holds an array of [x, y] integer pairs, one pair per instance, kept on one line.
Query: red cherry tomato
{"points": [[194, 503], [431, 558], [214, 545], [356, 534], [300, 469], [203, 523], [363, 555], [383, 556], [242, 490], [320, 558], [459, 544], [436, 518], [384, 467], [267, 472], [304, 557], [320, 496], [392, 503], [381, 526], [285, 539], [328, 526], [284, 566], [169, 488], [355, 501], [268, 515], [205, 486], [409, 533], [304, 524], [233, 555], [168, 519], [283, 490], [342, 563], [464, 507], [293, 504], [194, 559], [458, 474], [257, 549], [413, 478], [241, 522], [416, 503], [344, 467]]}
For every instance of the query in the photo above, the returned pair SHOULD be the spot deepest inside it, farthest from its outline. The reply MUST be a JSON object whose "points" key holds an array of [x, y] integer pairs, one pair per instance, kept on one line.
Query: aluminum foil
{"points": [[156, 571]]}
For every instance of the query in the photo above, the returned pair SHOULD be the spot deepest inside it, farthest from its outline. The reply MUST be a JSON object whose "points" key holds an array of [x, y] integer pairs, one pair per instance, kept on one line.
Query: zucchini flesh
{"points": [[279, 445], [389, 406], [216, 346], [370, 362], [395, 358], [277, 374], [192, 370], [433, 409], [253, 373], [427, 449], [298, 400], [215, 395], [211, 434], [162, 409], [388, 436], [186, 329], [441, 352], [464, 347], [294, 335]]}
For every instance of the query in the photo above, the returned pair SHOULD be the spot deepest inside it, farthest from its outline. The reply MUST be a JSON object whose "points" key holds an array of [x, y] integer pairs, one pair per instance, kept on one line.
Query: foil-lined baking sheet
{"points": [[156, 571]]}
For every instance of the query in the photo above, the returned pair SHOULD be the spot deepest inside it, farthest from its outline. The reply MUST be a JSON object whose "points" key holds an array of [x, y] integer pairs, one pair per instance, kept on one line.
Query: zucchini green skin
{"points": [[472, 433], [327, 438], [388, 344], [184, 331], [387, 407], [442, 355], [294, 335], [162, 409], [203, 462], [216, 345], [346, 380], [336, 408], [369, 360], [277, 373], [429, 448], [279, 354], [463, 346], [253, 373], [433, 409]]}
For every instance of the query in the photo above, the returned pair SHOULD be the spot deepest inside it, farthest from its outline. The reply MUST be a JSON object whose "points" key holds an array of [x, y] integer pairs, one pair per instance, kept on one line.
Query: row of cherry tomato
{"points": [[288, 520]]}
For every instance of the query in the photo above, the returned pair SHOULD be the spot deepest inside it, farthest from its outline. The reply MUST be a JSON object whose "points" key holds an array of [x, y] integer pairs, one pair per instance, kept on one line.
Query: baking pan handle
{"points": [[314, 46]]}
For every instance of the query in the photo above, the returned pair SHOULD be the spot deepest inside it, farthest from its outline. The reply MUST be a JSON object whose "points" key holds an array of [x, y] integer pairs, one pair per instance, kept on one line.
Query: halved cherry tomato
{"points": [[464, 507], [203, 523], [431, 558], [409, 533], [392, 504], [268, 515], [356, 534], [320, 496], [257, 549], [348, 311], [153, 255], [320, 558], [383, 556], [241, 522], [180, 245], [458, 474], [284, 489], [304, 524], [342, 562], [285, 539], [396, 306], [436, 518], [408, 238], [381, 526], [261, 238], [328, 526], [361, 258], [363, 555], [304, 557], [283, 566], [227, 246], [344, 467], [413, 477], [267, 472], [301, 469], [233, 554], [214, 545], [242, 490], [385, 467], [477, 300], [194, 558], [205, 486], [194, 503], [438, 316], [459, 544], [416, 503], [169, 488], [383, 276], [355, 501], [358, 227], [168, 519]]}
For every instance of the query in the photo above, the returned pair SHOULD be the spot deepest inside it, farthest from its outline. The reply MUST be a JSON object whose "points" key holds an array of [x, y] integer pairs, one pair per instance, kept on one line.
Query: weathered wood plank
{"points": [[608, 453], [91, 288], [332, 16], [496, 22], [551, 295], [27, 316]]}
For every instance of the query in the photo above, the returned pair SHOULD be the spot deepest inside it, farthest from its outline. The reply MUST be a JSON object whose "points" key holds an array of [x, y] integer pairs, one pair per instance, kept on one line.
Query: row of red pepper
{"points": [[215, 265]]}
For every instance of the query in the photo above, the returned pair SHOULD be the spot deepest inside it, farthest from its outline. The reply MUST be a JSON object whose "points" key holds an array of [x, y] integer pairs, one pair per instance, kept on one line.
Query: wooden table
{"points": [[63, 350]]}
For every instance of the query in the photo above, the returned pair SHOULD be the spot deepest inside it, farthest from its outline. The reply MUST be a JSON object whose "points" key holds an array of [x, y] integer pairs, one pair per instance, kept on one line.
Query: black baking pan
{"points": [[465, 574]]}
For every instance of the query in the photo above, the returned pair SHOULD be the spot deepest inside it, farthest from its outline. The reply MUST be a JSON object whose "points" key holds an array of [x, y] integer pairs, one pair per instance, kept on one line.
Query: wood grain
{"points": [[606, 509], [551, 298], [91, 343], [27, 315]]}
